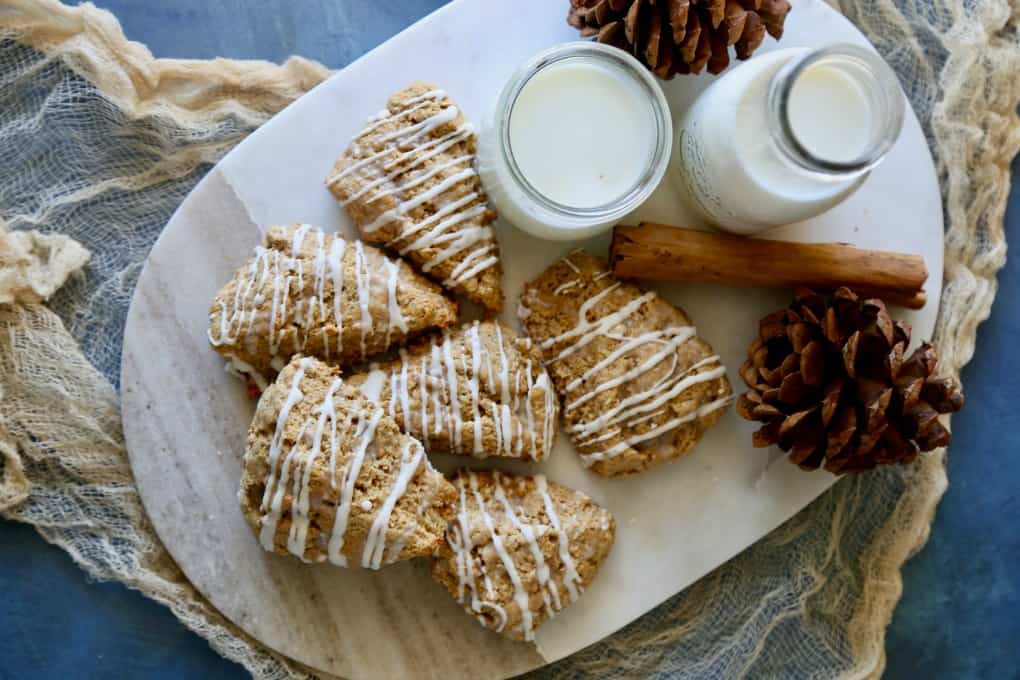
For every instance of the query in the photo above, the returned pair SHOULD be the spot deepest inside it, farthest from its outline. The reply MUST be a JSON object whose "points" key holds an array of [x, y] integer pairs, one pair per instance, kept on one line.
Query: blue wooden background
{"points": [[960, 613]]}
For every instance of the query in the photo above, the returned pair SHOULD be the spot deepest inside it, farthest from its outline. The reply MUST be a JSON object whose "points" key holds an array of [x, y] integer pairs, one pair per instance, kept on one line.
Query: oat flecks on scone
{"points": [[479, 391], [520, 549], [637, 384], [318, 294], [327, 475], [409, 183]]}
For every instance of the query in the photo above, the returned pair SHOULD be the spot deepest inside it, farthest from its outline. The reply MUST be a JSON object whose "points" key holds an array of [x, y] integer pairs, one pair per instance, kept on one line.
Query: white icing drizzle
{"points": [[293, 475], [371, 389], [363, 276], [418, 180], [375, 542], [396, 546], [585, 331], [364, 435], [701, 412], [415, 104], [641, 406], [405, 153], [563, 288], [396, 316], [462, 273], [409, 134], [459, 538], [571, 579], [668, 349], [440, 387], [431, 94], [472, 576], [243, 370], [335, 260], [550, 592], [292, 270], [271, 498], [281, 291], [406, 206], [432, 226], [520, 594]]}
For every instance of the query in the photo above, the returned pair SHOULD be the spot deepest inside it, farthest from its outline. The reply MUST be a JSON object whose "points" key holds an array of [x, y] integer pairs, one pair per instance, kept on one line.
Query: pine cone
{"points": [[680, 36], [831, 383]]}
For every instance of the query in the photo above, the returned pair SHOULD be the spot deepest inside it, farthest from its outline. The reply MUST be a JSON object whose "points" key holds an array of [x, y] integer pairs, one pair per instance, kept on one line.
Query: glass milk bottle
{"points": [[579, 137], [786, 136]]}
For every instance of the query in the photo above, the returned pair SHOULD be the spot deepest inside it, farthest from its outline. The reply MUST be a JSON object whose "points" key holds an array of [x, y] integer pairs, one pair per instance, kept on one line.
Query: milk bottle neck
{"points": [[834, 112]]}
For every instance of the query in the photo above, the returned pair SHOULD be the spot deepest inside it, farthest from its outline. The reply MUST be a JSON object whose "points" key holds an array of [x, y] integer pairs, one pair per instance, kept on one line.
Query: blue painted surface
{"points": [[958, 617], [960, 612]]}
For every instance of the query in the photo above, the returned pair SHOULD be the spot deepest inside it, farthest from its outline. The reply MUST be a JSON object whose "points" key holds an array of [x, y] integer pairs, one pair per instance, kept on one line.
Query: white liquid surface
{"points": [[582, 133], [830, 114]]}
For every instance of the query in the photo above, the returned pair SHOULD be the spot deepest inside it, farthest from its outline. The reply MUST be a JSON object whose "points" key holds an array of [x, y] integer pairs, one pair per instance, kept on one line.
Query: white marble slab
{"points": [[185, 419]]}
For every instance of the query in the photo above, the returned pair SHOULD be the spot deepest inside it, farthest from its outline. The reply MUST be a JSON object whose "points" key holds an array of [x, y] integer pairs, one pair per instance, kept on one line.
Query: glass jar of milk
{"points": [[579, 137], [786, 136]]}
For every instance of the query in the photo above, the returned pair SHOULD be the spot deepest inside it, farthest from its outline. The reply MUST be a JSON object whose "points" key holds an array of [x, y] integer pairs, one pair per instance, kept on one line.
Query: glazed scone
{"points": [[638, 387], [520, 549], [328, 476], [320, 295], [480, 391], [408, 182]]}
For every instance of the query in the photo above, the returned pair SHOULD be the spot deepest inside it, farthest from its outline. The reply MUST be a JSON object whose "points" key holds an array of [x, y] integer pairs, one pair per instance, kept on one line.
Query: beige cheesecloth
{"points": [[100, 142]]}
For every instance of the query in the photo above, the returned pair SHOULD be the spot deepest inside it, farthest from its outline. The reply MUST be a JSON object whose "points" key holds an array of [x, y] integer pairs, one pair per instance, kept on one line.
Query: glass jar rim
{"points": [[886, 83], [650, 176]]}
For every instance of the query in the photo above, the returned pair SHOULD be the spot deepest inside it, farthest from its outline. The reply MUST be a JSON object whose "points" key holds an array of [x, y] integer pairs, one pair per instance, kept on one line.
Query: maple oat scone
{"points": [[328, 476], [408, 182], [480, 390], [318, 294], [638, 387], [520, 549]]}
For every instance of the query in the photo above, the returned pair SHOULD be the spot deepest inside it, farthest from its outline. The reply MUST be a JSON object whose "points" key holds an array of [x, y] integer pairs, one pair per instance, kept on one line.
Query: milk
{"points": [[729, 158], [830, 114], [579, 137], [582, 133]]}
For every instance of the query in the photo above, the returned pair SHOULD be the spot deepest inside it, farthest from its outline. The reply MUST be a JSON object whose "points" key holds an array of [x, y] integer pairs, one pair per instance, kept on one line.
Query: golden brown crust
{"points": [[480, 391], [408, 182], [282, 302], [638, 386], [520, 549], [365, 496]]}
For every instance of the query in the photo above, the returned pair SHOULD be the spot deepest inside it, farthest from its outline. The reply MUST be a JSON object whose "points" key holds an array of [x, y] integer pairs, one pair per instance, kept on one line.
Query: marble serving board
{"points": [[185, 419]]}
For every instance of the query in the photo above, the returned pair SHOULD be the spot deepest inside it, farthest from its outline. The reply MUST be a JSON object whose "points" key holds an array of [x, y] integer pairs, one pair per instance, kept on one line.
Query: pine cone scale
{"points": [[677, 11], [830, 385], [681, 36], [812, 363]]}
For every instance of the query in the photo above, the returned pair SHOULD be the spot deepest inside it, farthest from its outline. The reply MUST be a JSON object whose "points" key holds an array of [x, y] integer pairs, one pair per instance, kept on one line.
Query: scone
{"points": [[317, 294], [408, 182], [521, 549], [480, 391], [327, 475], [638, 387]]}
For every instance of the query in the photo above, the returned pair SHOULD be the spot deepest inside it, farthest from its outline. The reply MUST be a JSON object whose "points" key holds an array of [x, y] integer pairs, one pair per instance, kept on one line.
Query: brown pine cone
{"points": [[832, 385], [680, 36]]}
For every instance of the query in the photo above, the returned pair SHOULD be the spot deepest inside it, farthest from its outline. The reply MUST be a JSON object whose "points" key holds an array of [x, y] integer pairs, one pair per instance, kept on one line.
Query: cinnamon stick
{"points": [[661, 252]]}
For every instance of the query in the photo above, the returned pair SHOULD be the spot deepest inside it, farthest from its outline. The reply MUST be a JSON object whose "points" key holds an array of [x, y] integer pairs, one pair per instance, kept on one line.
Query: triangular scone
{"points": [[638, 387], [285, 301], [520, 549], [327, 475], [408, 182], [479, 391]]}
